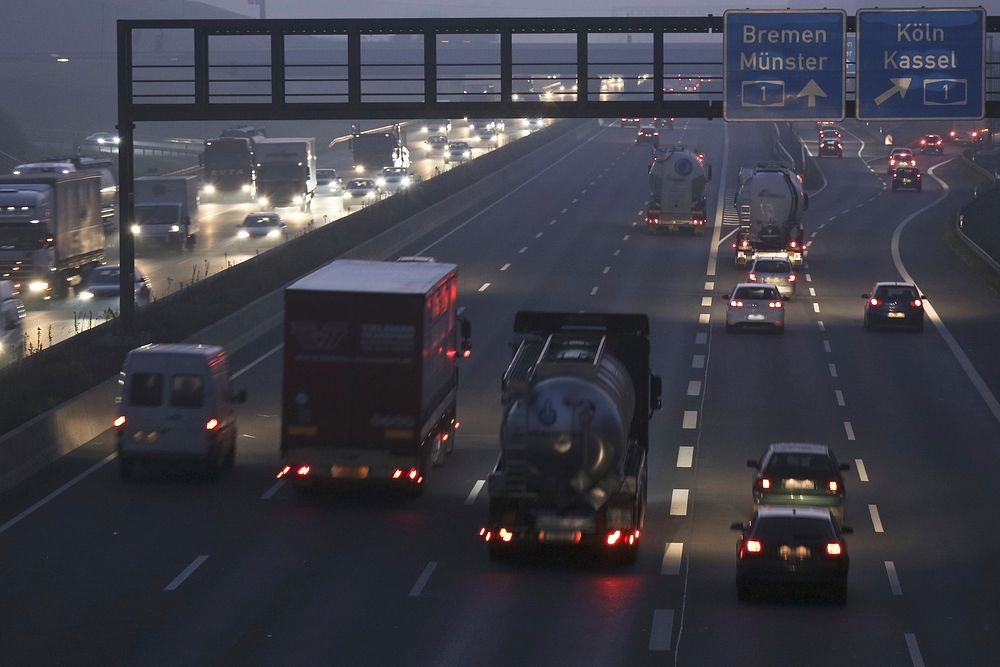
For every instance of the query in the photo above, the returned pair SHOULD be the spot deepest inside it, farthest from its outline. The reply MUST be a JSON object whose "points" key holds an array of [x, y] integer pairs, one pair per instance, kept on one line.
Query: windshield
{"points": [[361, 183], [279, 172], [21, 237], [772, 266], [757, 293], [896, 292], [105, 275], [796, 465], [788, 529], [156, 214], [261, 221]]}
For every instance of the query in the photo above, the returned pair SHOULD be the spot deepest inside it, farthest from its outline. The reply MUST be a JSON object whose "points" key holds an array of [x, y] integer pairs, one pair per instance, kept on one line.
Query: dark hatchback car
{"points": [[907, 178], [894, 304], [831, 147], [799, 474], [799, 547], [647, 135], [932, 143]]}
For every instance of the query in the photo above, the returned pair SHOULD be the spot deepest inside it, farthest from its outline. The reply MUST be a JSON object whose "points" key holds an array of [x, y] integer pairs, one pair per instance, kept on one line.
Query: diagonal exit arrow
{"points": [[898, 86], [812, 91]]}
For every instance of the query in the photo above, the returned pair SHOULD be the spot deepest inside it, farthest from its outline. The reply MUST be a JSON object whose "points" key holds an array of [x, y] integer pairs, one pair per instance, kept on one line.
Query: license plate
{"points": [[906, 181], [771, 280], [894, 316], [563, 536], [349, 472], [798, 484], [756, 318]]}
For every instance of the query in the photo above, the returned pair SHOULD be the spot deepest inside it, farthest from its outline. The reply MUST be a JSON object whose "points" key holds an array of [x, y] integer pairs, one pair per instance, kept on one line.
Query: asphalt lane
{"points": [[260, 575]]}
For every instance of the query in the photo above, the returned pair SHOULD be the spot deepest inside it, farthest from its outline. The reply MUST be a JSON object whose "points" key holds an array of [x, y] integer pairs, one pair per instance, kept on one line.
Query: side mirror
{"points": [[240, 396], [866, 295], [845, 466], [738, 525], [846, 530], [655, 392], [752, 463]]}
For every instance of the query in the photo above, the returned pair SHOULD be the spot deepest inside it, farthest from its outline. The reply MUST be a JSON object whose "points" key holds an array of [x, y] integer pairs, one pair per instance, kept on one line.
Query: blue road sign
{"points": [[784, 65], [921, 63]]}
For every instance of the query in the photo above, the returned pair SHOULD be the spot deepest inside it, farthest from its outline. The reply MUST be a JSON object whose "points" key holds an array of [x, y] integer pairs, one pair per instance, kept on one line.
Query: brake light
{"points": [[753, 546], [505, 535], [614, 537], [892, 161], [833, 486], [917, 303], [212, 424], [119, 422], [284, 471], [791, 277], [735, 304], [466, 354], [774, 304], [875, 301], [752, 277], [302, 471], [923, 142], [765, 483], [834, 549], [794, 244]]}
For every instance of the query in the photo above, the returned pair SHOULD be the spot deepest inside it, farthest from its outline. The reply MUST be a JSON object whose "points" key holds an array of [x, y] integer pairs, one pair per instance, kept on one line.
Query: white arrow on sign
{"points": [[898, 86], [812, 91]]}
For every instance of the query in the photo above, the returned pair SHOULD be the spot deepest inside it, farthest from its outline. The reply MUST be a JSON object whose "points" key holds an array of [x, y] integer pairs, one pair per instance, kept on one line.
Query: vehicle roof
{"points": [[800, 447], [894, 284], [788, 511], [354, 275], [194, 349]]}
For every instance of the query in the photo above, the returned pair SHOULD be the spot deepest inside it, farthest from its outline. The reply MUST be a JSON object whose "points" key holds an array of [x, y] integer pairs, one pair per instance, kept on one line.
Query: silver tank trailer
{"points": [[571, 426]]}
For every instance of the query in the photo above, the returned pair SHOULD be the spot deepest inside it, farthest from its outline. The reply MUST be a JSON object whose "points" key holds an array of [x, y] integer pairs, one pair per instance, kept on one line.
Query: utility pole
{"points": [[263, 7]]}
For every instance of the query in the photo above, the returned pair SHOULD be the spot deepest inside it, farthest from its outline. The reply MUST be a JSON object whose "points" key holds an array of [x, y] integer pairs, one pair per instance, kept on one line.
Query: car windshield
{"points": [[437, 139], [772, 266], [933, 137], [360, 183], [786, 529], [261, 221], [798, 465], [902, 153], [105, 275], [896, 292], [460, 146], [394, 171], [757, 293]]}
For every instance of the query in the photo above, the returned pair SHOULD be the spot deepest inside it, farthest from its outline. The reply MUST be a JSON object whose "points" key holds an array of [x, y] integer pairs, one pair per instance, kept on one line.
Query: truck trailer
{"points": [[50, 231], [166, 211], [574, 439], [370, 373], [770, 203], [372, 151], [229, 168], [678, 180], [286, 171]]}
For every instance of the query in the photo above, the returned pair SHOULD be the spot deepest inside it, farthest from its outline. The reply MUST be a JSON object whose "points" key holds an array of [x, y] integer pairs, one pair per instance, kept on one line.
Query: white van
{"points": [[177, 405]]}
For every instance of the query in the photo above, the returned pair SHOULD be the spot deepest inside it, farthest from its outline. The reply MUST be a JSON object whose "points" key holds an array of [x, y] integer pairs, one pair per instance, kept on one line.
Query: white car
{"points": [[458, 151], [104, 138], [360, 192], [101, 289], [773, 270], [394, 179], [261, 225], [755, 305]]}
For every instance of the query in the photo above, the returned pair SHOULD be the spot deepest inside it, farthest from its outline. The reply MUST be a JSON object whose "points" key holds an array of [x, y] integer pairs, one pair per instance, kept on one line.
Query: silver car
{"points": [[458, 151], [755, 305], [775, 271]]}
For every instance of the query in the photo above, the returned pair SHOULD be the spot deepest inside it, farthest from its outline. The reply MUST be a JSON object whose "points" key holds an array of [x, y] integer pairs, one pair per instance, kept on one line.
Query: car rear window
{"points": [[896, 292], [786, 529], [146, 389], [794, 465], [757, 293], [187, 391], [772, 266]]}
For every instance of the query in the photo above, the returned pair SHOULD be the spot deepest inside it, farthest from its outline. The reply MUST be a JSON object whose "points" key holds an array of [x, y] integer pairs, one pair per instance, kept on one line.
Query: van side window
{"points": [[187, 391], [146, 389]]}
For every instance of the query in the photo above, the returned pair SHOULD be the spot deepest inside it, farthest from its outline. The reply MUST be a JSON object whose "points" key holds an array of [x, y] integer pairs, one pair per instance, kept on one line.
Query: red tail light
{"points": [[923, 142], [834, 549], [752, 277], [212, 424], [775, 304], [791, 277], [614, 537], [302, 471], [736, 304], [119, 422], [505, 535], [765, 483], [753, 546], [794, 244], [875, 301], [466, 354], [833, 486], [284, 471], [917, 303]]}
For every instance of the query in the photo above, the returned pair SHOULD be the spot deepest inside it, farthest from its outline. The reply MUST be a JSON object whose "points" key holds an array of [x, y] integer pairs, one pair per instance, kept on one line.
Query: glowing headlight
{"points": [[136, 229], [263, 201], [405, 182], [86, 295], [245, 187], [117, 140], [175, 228], [423, 129], [273, 234], [243, 234], [472, 126], [370, 194], [359, 168], [467, 154], [380, 182], [208, 189], [100, 140], [37, 286], [297, 200]]}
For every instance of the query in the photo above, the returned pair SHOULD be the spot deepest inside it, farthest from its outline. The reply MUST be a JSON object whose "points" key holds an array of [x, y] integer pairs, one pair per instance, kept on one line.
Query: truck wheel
{"points": [[126, 468]]}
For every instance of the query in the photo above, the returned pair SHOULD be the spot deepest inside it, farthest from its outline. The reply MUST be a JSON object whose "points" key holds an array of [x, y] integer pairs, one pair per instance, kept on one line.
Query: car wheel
{"points": [[126, 468]]}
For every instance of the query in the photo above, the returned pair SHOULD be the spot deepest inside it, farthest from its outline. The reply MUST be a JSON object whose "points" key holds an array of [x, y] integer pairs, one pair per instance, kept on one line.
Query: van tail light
{"points": [[917, 303], [212, 424], [833, 486], [119, 422], [303, 471], [834, 549], [614, 537], [765, 483], [791, 277], [775, 304], [752, 277], [410, 474], [875, 301], [735, 304], [753, 546]]}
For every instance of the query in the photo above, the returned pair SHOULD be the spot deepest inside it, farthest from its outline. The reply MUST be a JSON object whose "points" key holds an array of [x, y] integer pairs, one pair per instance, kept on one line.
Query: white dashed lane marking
{"points": [[862, 471], [704, 318], [812, 291], [698, 361], [700, 338], [690, 421], [476, 488], [849, 430], [422, 580], [911, 646], [267, 495], [485, 287], [839, 395], [685, 456], [505, 267], [672, 553], [593, 291], [815, 307], [833, 370], [679, 502], [809, 278], [694, 388], [661, 633], [826, 346], [539, 235], [890, 571], [709, 285], [617, 252], [876, 519], [522, 250], [606, 270], [706, 301], [186, 572]]}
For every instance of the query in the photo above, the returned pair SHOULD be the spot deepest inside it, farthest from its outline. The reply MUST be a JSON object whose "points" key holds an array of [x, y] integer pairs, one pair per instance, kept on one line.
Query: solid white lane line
{"points": [[55, 494], [812, 291], [706, 301], [661, 634], [826, 346], [505, 267], [700, 338], [963, 360], [815, 306], [672, 553], [422, 580], [809, 278], [247, 435], [890, 571], [252, 364], [685, 456], [709, 285], [862, 470], [476, 488], [840, 397], [679, 502], [606, 269], [694, 388], [833, 370], [911, 646], [485, 287], [267, 495], [704, 318], [522, 250], [720, 208], [690, 421], [186, 572], [539, 235], [822, 327], [698, 361], [593, 291], [876, 519], [849, 429]]}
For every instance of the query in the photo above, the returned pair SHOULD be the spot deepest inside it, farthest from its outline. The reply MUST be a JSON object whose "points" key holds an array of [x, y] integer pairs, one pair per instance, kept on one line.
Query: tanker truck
{"points": [[677, 182], [574, 438], [770, 202]]}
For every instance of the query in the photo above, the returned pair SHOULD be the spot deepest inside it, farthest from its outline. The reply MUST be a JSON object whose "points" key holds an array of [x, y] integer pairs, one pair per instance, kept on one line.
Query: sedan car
{"points": [[260, 225], [487, 136], [773, 270], [328, 182], [901, 157], [830, 133], [932, 143], [360, 192], [438, 126], [792, 546], [104, 138], [831, 147], [393, 179], [799, 474], [755, 305], [647, 134], [102, 288], [436, 143], [663, 123], [894, 304], [907, 178], [630, 122], [458, 151]]}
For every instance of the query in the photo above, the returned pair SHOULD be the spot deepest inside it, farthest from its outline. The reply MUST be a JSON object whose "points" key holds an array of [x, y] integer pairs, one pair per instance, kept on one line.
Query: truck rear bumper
{"points": [[317, 464]]}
